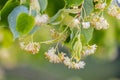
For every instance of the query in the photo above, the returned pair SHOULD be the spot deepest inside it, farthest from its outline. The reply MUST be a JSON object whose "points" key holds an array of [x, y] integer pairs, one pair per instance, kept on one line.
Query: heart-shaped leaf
{"points": [[12, 19], [25, 23]]}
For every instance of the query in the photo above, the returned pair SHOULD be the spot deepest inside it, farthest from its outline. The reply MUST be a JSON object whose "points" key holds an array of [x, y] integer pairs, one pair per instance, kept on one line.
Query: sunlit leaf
{"points": [[25, 23], [12, 19]]}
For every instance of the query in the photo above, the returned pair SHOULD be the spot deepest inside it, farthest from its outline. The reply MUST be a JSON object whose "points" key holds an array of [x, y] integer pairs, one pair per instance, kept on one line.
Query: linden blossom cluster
{"points": [[88, 50], [31, 47], [96, 22], [99, 23], [114, 11], [79, 50], [100, 4], [62, 58], [41, 19]]}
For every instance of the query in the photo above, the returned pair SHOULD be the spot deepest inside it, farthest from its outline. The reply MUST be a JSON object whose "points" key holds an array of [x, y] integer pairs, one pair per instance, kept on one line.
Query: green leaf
{"points": [[71, 3], [8, 7], [88, 6], [25, 23], [98, 37], [68, 20], [43, 4], [87, 34], [12, 19], [52, 19], [54, 6]]}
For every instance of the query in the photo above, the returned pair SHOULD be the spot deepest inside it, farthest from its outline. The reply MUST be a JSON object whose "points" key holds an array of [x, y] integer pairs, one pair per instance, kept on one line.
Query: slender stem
{"points": [[49, 42], [84, 12]]}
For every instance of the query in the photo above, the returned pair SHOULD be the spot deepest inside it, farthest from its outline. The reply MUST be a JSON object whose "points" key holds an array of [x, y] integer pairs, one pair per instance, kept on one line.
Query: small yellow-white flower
{"points": [[71, 64], [41, 19], [118, 16], [79, 65], [86, 25], [32, 47], [114, 10], [61, 56], [87, 50], [22, 45], [100, 23], [100, 6], [75, 22], [67, 61], [52, 57], [35, 5]]}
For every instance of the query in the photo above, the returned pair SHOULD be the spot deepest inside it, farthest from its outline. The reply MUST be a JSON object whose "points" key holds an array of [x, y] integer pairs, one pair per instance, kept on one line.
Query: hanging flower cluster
{"points": [[41, 19], [87, 50], [114, 11], [31, 47], [71, 31], [99, 23], [52, 57], [100, 4], [62, 58], [71, 64], [71, 26]]}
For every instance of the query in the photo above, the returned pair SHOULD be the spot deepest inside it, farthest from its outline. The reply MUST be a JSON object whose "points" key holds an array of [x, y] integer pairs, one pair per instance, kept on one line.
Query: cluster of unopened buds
{"points": [[62, 58]]}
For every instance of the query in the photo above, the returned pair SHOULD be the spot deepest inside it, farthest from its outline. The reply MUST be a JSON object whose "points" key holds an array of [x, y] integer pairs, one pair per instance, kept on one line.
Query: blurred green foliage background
{"points": [[16, 64]]}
